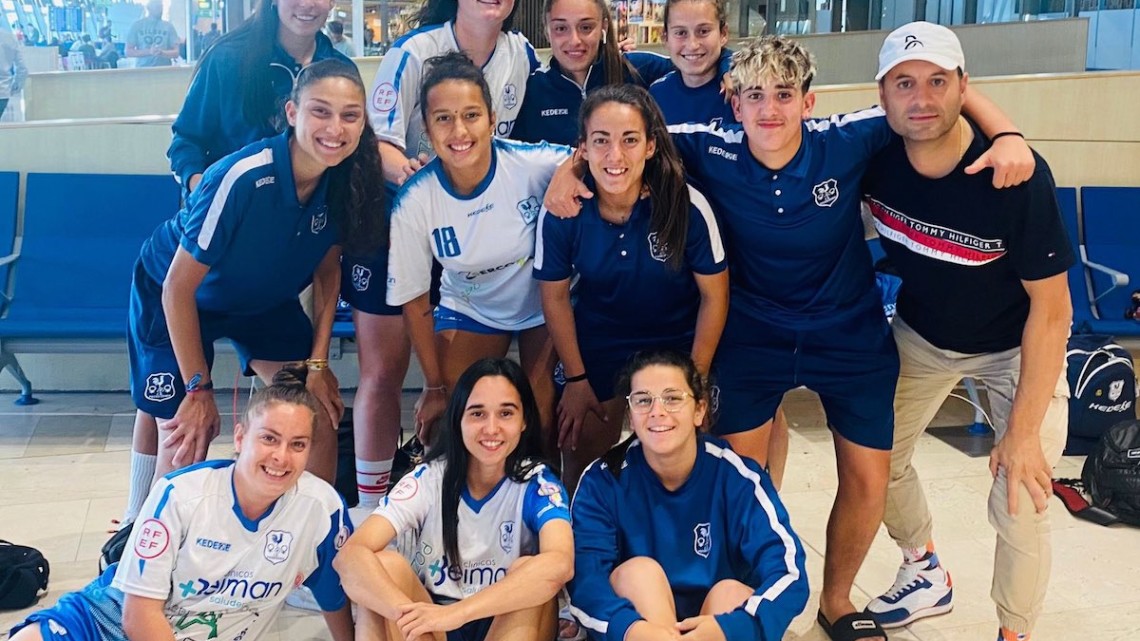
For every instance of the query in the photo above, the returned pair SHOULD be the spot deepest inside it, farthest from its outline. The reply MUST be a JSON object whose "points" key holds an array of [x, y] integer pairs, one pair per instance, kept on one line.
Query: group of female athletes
{"points": [[298, 176]]}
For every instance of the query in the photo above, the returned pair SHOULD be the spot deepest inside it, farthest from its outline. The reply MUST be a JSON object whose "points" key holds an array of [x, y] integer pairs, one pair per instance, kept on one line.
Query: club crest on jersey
{"points": [[529, 209], [657, 250], [702, 539], [152, 539], [552, 492], [1115, 389], [361, 276], [510, 96], [159, 387], [341, 537], [320, 219], [384, 97], [826, 192], [507, 536], [277, 545]]}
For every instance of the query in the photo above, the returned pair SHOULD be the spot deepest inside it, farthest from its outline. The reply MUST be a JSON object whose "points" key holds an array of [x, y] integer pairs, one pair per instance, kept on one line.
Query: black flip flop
{"points": [[850, 627]]}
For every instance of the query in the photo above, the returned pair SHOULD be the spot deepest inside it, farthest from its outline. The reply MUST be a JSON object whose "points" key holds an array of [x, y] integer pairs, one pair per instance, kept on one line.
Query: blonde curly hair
{"points": [[772, 58]]}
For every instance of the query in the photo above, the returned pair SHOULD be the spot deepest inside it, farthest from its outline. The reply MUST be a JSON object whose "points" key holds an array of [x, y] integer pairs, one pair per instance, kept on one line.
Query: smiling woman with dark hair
{"points": [[483, 528]]}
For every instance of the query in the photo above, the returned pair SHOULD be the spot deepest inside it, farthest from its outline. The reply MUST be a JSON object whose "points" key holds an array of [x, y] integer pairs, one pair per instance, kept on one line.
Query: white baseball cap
{"points": [[921, 41]]}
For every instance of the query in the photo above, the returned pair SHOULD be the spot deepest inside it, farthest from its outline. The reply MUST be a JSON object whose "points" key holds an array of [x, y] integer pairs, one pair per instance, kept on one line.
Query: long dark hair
{"points": [[664, 173], [356, 185], [288, 387], [441, 11], [617, 70], [258, 37], [449, 447]]}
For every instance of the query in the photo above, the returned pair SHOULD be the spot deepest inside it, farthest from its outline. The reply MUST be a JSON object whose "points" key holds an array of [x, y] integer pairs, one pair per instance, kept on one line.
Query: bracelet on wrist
{"points": [[315, 364], [196, 384], [576, 379], [1007, 133], [437, 388]]}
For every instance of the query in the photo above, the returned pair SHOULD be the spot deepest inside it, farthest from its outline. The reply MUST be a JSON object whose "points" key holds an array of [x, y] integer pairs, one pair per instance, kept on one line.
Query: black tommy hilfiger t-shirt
{"points": [[963, 247]]}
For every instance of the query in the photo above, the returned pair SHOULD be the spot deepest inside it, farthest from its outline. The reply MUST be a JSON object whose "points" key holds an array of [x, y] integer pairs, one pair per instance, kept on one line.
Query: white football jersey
{"points": [[485, 241], [222, 575], [493, 532], [394, 105]]}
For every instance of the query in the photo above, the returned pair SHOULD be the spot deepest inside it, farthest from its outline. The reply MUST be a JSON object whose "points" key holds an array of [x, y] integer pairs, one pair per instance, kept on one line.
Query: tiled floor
{"points": [[63, 477]]}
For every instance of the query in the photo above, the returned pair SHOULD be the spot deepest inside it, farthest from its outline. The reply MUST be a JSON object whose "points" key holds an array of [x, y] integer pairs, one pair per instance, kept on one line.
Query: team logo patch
{"points": [[341, 537], [507, 536], [657, 250], [702, 539], [529, 209], [55, 628], [384, 97], [361, 276], [405, 489], [510, 96], [1115, 389], [153, 539], [277, 545], [912, 41], [714, 398], [320, 219], [826, 193], [159, 387], [552, 492]]}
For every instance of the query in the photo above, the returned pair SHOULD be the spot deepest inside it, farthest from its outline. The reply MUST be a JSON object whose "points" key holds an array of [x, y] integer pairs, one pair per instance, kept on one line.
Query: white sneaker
{"points": [[922, 589], [302, 598]]}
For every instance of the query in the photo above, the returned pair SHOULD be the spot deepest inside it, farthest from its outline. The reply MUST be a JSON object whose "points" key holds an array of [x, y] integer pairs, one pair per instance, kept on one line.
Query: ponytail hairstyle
{"points": [[288, 387], [664, 173], [617, 70], [441, 11], [356, 186], [448, 444], [258, 37]]}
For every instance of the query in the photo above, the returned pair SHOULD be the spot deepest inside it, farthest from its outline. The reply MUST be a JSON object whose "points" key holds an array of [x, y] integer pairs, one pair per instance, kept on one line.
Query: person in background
{"points": [[210, 37], [85, 47], [339, 42], [13, 71], [108, 53], [152, 41]]}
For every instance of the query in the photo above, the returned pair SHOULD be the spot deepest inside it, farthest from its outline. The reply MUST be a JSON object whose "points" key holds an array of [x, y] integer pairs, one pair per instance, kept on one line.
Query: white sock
{"points": [[372, 481], [142, 474]]}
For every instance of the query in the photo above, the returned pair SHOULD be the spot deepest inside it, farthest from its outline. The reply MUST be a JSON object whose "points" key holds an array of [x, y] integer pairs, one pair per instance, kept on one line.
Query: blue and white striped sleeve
{"points": [[152, 550], [704, 247], [394, 99], [324, 581], [596, 554], [771, 554], [214, 210]]}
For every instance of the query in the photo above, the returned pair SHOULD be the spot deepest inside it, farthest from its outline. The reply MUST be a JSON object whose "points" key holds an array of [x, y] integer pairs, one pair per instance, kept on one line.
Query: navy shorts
{"points": [[853, 366], [605, 359], [94, 613], [280, 334], [364, 284], [471, 631]]}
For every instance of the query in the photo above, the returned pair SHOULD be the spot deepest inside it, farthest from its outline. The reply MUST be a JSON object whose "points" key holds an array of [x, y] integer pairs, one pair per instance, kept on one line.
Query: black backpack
{"points": [[1110, 477], [1102, 389], [23, 574]]}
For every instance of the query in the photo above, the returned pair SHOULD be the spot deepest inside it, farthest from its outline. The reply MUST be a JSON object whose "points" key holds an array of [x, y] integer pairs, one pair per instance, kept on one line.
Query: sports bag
{"points": [[1110, 477], [23, 574], [1102, 389]]}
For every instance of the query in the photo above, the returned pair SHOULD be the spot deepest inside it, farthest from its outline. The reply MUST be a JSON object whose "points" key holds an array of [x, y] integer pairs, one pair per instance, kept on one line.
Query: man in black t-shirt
{"points": [[984, 295]]}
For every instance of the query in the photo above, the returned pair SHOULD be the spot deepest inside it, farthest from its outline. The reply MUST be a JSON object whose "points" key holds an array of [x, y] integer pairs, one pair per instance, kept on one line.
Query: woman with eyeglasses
{"points": [[674, 533], [649, 263]]}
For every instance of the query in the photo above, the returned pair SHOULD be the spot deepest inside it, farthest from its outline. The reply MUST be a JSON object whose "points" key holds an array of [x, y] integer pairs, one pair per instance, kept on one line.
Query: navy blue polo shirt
{"points": [[245, 223], [681, 103], [552, 100], [795, 243], [626, 289]]}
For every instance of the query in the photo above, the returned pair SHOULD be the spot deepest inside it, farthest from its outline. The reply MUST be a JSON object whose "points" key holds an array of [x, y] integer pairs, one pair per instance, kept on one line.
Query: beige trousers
{"points": [[927, 375]]}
